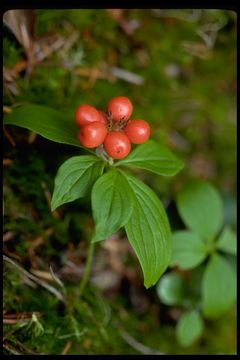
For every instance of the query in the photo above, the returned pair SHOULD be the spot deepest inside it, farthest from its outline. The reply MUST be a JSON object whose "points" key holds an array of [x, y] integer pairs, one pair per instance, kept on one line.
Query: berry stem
{"points": [[102, 154], [87, 270]]}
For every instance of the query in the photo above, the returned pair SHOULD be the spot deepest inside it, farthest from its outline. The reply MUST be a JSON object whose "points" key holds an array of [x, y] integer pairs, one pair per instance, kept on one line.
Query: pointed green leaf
{"points": [[218, 287], [75, 178], [112, 203], [200, 207], [153, 157], [228, 241], [189, 250], [149, 232], [189, 328], [45, 121], [170, 289]]}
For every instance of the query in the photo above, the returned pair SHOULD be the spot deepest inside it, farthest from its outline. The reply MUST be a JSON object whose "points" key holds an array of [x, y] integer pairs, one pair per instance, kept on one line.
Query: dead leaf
{"points": [[21, 23]]}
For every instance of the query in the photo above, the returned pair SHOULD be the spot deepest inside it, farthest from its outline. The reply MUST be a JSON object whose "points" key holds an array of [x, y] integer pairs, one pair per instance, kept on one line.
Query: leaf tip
{"points": [[148, 284]]}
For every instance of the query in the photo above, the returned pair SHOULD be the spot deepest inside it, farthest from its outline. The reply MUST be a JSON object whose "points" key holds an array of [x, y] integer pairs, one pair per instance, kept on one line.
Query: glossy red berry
{"points": [[138, 131], [92, 134], [103, 117], [86, 114], [120, 108], [117, 145]]}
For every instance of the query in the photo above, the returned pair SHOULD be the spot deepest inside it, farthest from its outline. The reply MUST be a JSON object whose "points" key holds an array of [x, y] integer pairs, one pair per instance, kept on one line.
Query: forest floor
{"points": [[179, 69]]}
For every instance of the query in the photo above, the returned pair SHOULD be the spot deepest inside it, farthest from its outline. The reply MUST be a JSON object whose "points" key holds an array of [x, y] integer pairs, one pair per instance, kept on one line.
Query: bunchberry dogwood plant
{"points": [[117, 143]]}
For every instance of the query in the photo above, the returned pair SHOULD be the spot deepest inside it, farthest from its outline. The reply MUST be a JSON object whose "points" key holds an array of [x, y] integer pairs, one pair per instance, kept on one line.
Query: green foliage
{"points": [[153, 157], [189, 250], [33, 327], [47, 122], [227, 241], [148, 231], [217, 283], [75, 178], [218, 287], [170, 289], [200, 207], [112, 203], [189, 328]]}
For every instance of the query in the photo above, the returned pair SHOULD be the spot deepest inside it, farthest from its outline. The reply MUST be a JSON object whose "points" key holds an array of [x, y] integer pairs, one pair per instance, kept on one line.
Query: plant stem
{"points": [[103, 155], [87, 269]]}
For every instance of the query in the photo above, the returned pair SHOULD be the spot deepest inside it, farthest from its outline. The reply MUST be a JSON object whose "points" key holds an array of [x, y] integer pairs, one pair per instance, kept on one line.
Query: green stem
{"points": [[100, 152], [87, 270]]}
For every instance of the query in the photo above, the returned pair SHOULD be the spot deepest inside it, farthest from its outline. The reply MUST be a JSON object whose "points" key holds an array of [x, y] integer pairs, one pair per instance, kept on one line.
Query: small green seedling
{"points": [[207, 250]]}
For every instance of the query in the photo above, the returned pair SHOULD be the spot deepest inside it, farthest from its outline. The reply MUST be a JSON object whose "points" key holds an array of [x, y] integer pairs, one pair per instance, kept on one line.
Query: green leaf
{"points": [[149, 232], [189, 328], [218, 287], [189, 250], [112, 203], [228, 241], [75, 178], [200, 207], [45, 121], [170, 289], [153, 157]]}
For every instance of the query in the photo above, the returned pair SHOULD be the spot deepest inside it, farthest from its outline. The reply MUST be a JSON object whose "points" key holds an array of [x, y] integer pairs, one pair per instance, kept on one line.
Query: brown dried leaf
{"points": [[21, 23]]}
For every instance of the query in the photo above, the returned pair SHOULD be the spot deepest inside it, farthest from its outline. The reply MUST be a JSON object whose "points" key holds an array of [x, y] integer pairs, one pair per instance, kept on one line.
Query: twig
{"points": [[11, 350], [18, 317], [13, 321], [66, 348], [69, 42], [126, 75], [56, 279], [138, 346], [110, 73], [9, 137], [42, 283], [42, 274]]}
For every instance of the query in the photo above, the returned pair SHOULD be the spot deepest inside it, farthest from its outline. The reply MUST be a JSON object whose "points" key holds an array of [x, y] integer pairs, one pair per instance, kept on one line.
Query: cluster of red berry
{"points": [[113, 129]]}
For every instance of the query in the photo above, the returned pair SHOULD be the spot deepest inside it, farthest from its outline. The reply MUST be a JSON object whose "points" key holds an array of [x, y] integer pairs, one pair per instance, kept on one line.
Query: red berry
{"points": [[120, 107], [86, 114], [103, 117], [92, 134], [138, 131], [117, 145]]}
